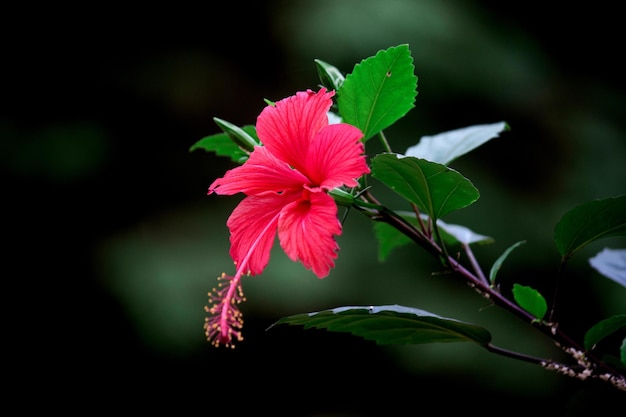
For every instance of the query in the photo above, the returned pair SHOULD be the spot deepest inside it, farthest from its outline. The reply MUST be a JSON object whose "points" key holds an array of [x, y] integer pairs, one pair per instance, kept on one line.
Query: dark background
{"points": [[113, 244]]}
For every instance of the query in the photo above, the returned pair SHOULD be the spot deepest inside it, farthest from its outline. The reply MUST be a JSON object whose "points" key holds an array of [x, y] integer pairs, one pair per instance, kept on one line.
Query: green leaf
{"points": [[446, 147], [611, 263], [245, 139], [391, 324], [604, 328], [436, 189], [234, 143], [330, 76], [530, 300], [379, 91], [221, 144], [589, 222], [498, 263], [389, 237]]}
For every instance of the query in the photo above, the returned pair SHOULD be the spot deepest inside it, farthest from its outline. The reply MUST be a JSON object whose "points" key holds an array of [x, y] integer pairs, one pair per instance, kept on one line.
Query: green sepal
{"points": [[341, 197]]}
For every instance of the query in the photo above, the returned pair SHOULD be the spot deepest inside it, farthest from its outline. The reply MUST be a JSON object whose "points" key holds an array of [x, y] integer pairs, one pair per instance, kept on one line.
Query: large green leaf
{"points": [[604, 328], [447, 146], [435, 188], [589, 222], [379, 91], [391, 324]]}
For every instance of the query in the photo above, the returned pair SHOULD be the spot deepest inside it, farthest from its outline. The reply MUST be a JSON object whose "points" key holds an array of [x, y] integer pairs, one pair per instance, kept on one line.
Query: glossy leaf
{"points": [[447, 146], [435, 188], [391, 324], [612, 264], [245, 139], [530, 300], [498, 263], [379, 91], [330, 76], [603, 329], [589, 222]]}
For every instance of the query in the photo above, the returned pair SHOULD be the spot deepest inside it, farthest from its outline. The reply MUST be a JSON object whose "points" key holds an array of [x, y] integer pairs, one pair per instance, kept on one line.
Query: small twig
{"points": [[474, 262], [384, 142]]}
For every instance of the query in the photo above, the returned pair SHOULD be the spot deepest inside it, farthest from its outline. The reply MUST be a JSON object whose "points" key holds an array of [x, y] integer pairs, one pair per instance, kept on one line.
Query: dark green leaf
{"points": [[391, 324], [530, 300], [379, 91], [446, 147], [604, 328], [498, 263], [589, 222], [436, 189], [617, 362], [330, 76], [388, 238]]}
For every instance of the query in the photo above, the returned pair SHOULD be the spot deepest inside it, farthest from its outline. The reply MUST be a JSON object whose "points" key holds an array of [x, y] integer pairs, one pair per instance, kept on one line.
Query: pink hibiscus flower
{"points": [[286, 183]]}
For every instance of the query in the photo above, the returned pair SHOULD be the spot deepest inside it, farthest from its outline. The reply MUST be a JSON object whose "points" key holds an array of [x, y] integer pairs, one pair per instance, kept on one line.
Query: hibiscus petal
{"points": [[262, 172], [287, 128], [252, 226], [306, 230], [336, 157]]}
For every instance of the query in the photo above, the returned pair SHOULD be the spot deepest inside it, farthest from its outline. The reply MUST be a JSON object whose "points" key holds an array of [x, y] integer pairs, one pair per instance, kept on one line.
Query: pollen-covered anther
{"points": [[225, 321]]}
